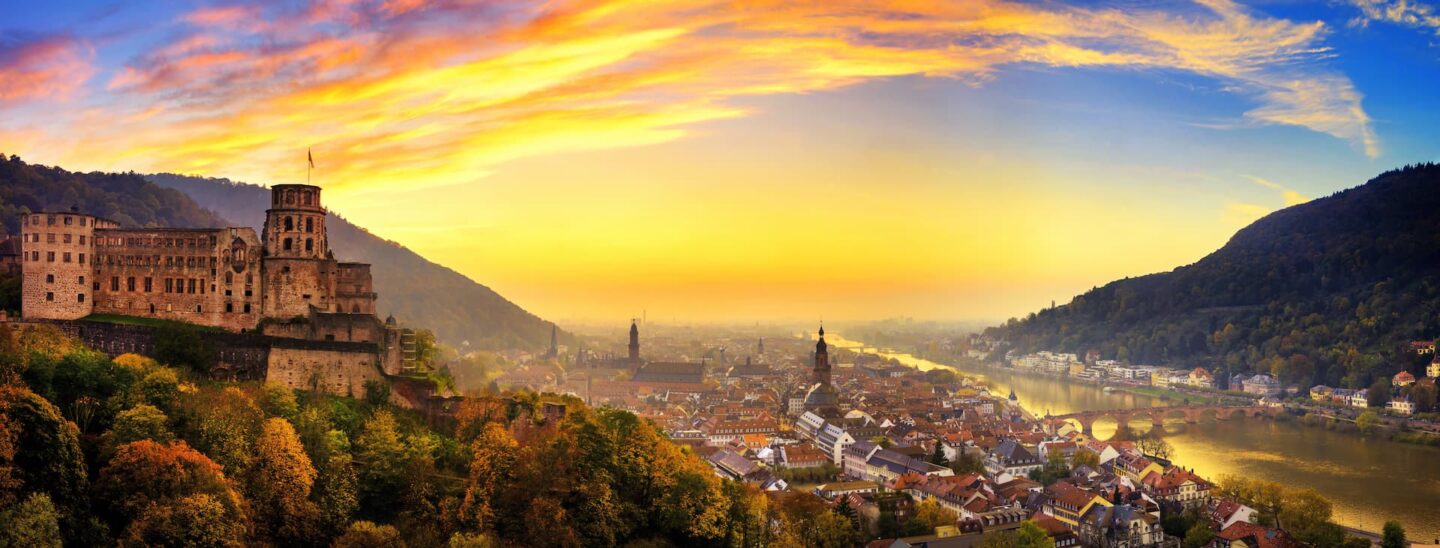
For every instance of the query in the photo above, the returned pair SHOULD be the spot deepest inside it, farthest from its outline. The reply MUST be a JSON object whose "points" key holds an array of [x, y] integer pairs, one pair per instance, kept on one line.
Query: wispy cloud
{"points": [[433, 93], [1403, 12], [1290, 196]]}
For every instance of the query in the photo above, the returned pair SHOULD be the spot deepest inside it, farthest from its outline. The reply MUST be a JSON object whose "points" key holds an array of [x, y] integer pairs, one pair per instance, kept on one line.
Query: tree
{"points": [[1154, 445], [966, 463], [142, 422], [1379, 393], [933, 515], [280, 485], [159, 388], [377, 392], [336, 488], [1053, 469], [381, 455], [182, 346], [1085, 457], [1368, 421], [145, 474], [365, 534], [1031, 535], [1394, 535], [33, 522], [494, 455], [223, 425], [938, 456], [278, 401], [1198, 536], [47, 456], [195, 520]]}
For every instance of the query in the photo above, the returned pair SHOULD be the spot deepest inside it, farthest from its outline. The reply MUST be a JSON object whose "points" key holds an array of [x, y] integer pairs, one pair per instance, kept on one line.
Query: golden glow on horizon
{"points": [[435, 131]]}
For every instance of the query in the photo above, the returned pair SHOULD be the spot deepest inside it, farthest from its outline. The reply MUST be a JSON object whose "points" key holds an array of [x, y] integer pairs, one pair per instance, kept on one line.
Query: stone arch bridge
{"points": [[1190, 413]]}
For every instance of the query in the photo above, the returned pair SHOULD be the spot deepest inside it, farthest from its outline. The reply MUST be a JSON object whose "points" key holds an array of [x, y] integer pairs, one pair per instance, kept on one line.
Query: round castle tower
{"points": [[298, 269]]}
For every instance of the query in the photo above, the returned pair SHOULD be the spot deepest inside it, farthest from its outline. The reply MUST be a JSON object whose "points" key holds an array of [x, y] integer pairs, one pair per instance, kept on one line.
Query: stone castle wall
{"points": [[203, 276], [56, 251], [340, 371]]}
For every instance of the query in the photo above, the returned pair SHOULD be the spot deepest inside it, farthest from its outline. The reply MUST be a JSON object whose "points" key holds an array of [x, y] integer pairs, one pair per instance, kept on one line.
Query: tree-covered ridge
{"points": [[129, 451], [1323, 292], [411, 287], [126, 198]]}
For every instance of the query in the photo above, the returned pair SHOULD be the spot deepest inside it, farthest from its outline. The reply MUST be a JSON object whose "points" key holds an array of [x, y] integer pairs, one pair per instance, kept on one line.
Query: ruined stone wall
{"points": [[292, 286], [354, 289], [333, 369], [56, 249], [201, 276], [238, 357]]}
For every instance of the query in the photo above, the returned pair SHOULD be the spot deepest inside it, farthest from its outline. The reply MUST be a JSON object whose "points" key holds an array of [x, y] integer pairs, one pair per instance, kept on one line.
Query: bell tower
{"points": [[297, 268], [822, 359], [634, 342]]}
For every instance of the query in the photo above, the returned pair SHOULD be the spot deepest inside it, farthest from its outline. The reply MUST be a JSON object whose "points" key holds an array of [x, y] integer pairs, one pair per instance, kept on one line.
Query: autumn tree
{"points": [[494, 454], [46, 453], [1368, 422], [280, 484], [195, 520], [1083, 457], [932, 514], [142, 422], [336, 490], [32, 523], [365, 534], [278, 401], [1154, 445], [223, 425], [159, 388], [146, 475]]}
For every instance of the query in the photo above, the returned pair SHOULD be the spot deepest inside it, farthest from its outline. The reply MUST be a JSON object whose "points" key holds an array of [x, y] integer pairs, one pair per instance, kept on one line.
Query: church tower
{"points": [[554, 342], [634, 343], [297, 267], [822, 359]]}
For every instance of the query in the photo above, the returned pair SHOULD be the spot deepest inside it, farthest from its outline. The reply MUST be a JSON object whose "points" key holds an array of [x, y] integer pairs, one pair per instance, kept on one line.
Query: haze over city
{"points": [[708, 162]]}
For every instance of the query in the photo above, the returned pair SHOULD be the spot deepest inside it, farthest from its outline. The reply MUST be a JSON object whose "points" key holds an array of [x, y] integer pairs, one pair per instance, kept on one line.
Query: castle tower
{"points": [[822, 359], [57, 252], [634, 342], [298, 269]]}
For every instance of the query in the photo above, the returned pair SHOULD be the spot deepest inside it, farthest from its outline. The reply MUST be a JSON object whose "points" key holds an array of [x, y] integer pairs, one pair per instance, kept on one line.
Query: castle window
{"points": [[49, 296], [305, 197], [49, 237], [197, 309], [96, 286], [309, 245], [130, 284], [35, 256], [82, 258], [50, 220], [49, 278], [309, 225], [67, 256], [229, 308], [152, 308], [82, 223], [286, 245], [80, 297], [66, 237], [289, 224], [247, 308], [190, 286], [68, 220], [81, 280], [149, 284], [290, 197], [229, 277], [49, 256], [169, 285]]}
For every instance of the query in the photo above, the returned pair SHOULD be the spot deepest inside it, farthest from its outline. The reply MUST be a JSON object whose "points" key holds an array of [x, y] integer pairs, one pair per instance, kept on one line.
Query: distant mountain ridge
{"points": [[413, 288], [1327, 291]]}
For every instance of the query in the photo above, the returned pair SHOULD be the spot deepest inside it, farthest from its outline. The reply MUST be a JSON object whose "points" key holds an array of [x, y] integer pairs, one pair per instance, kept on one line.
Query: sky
{"points": [[736, 161]]}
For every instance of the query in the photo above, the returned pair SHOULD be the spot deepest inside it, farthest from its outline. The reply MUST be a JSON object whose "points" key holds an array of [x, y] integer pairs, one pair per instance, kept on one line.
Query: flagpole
{"points": [[310, 164]]}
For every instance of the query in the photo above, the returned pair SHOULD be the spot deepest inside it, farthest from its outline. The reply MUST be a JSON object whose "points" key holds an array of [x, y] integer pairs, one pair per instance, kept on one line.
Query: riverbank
{"points": [[1368, 479]]}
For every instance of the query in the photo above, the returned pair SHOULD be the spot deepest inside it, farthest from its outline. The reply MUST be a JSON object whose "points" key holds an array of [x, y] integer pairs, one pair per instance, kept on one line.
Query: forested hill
{"points": [[126, 198], [1327, 292], [411, 287]]}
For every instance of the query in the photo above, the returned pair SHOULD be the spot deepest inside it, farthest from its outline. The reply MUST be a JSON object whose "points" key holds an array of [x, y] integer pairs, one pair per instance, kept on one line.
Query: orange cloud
{"points": [[45, 67], [434, 93]]}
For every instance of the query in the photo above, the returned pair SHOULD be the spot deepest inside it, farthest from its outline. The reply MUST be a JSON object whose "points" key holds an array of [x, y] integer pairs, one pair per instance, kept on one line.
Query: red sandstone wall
{"points": [[56, 249]]}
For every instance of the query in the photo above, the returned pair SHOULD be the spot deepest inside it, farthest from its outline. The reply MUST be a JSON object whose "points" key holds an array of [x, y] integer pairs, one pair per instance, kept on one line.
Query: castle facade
{"points": [[284, 281]]}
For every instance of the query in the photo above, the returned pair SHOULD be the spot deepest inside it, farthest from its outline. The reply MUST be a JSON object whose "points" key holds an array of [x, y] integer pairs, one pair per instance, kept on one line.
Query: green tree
{"points": [[278, 401], [142, 422], [380, 451], [159, 388], [1198, 536], [1031, 535], [967, 463], [1394, 535], [47, 456], [336, 490], [182, 346], [1154, 445], [33, 522], [1368, 422], [937, 457]]}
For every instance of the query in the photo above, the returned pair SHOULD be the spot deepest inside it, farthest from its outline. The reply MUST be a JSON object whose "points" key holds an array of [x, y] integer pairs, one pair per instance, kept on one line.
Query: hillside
{"points": [[1326, 292], [411, 287]]}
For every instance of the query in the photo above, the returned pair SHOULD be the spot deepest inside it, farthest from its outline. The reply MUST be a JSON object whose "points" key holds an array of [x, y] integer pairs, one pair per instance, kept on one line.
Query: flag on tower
{"points": [[310, 157]]}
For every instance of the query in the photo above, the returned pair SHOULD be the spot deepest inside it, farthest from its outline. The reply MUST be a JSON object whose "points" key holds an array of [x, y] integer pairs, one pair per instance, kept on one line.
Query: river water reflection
{"points": [[1369, 481]]}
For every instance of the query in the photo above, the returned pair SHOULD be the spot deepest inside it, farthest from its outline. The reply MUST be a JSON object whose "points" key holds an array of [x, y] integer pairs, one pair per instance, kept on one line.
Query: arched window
{"points": [[289, 224], [306, 197], [286, 245], [309, 244], [290, 197], [309, 225]]}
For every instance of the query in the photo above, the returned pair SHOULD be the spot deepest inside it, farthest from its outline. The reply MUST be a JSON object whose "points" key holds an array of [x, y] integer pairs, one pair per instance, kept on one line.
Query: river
{"points": [[1369, 481]]}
